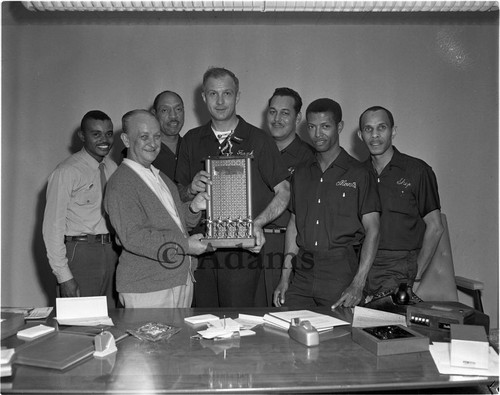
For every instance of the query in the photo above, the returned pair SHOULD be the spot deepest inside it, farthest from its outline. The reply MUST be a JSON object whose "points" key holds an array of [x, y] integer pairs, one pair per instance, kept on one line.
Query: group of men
{"points": [[329, 230]]}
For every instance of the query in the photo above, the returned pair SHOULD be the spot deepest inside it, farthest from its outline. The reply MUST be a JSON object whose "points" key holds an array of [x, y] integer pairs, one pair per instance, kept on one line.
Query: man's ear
{"points": [[360, 135], [204, 97], [126, 141], [340, 126], [81, 135], [153, 111], [299, 119], [238, 97], [393, 134]]}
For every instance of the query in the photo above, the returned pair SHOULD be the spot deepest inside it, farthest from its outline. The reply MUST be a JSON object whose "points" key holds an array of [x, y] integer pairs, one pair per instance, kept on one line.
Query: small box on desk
{"points": [[390, 340], [469, 346]]}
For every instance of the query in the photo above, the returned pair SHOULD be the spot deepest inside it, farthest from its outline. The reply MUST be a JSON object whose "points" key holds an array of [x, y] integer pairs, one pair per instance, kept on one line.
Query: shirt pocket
{"points": [[87, 195], [343, 202], [402, 202]]}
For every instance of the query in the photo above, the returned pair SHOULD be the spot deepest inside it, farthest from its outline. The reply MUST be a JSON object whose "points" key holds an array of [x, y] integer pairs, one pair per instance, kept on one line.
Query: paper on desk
{"points": [[224, 329], [441, 355], [85, 311], [248, 321], [365, 317]]}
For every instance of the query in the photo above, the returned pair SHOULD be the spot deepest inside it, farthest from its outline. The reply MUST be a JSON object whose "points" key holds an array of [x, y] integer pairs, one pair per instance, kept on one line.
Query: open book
{"points": [[321, 322]]}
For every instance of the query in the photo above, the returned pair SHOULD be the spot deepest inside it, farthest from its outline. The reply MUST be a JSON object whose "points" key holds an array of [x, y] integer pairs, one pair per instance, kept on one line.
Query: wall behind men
{"points": [[438, 73]]}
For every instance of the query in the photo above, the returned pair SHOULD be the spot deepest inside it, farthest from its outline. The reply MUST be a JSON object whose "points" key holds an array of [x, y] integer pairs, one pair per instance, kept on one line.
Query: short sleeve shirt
{"points": [[329, 205], [408, 192], [268, 169]]}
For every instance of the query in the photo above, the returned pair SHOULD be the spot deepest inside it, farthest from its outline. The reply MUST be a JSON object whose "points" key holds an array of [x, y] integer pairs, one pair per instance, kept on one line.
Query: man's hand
{"points": [[199, 202], [260, 239], [279, 293], [351, 296], [69, 289], [199, 183], [196, 246]]}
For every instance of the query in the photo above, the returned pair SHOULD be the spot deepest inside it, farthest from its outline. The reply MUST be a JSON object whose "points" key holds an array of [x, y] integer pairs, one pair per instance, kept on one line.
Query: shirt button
{"points": [[321, 179], [317, 222], [319, 200], [315, 243]]}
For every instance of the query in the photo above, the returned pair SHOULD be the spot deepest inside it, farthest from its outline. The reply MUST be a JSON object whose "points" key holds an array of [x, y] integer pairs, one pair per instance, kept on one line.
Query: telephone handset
{"points": [[401, 296]]}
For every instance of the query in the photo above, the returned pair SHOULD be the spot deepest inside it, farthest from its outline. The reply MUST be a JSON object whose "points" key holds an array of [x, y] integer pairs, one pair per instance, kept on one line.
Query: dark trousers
{"points": [[321, 277], [93, 266], [227, 278], [272, 264], [389, 269]]}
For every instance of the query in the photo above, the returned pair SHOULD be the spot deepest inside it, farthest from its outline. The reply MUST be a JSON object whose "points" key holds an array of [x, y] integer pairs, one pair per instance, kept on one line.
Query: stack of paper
{"points": [[5, 359], [201, 319], [441, 355], [321, 322], [365, 317]]}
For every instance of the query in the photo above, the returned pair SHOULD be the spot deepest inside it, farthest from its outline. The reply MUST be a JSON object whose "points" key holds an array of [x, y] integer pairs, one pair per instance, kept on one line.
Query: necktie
{"points": [[103, 186], [103, 177]]}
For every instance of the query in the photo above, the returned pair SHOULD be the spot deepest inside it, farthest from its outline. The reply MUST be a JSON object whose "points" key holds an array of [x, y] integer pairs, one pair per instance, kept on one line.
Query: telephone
{"points": [[395, 302]]}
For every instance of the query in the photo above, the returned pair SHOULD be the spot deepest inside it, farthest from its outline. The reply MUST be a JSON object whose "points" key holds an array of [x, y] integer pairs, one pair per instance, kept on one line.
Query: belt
{"points": [[103, 239], [274, 230]]}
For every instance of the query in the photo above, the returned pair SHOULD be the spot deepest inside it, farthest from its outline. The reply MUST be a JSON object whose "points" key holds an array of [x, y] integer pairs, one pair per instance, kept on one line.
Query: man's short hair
{"points": [[126, 118], [218, 72], [378, 108], [291, 93], [325, 105], [94, 115], [157, 98]]}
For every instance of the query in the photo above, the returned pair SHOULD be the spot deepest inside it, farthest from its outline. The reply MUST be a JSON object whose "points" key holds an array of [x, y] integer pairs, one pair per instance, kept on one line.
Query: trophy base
{"points": [[231, 243]]}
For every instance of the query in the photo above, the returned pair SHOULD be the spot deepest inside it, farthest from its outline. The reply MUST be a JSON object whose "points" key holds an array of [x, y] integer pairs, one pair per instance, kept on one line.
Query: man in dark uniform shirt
{"points": [[335, 217], [168, 109], [283, 118], [410, 225], [229, 277]]}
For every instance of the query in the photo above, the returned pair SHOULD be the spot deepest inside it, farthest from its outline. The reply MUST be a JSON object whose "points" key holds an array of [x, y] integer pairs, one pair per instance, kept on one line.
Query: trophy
{"points": [[229, 210]]}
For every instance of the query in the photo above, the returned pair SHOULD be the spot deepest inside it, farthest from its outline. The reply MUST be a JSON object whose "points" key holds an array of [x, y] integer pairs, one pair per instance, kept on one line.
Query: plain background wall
{"points": [[438, 73]]}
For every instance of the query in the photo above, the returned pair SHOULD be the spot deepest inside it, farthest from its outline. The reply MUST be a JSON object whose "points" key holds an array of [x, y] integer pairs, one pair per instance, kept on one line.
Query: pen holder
{"points": [[104, 345]]}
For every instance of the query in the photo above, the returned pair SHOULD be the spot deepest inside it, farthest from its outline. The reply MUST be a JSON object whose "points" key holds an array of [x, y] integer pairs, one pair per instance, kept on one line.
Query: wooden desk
{"points": [[268, 361]]}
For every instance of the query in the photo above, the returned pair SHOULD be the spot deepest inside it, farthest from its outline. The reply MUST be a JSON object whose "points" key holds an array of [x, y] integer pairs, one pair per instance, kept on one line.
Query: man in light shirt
{"points": [[75, 232], [156, 265]]}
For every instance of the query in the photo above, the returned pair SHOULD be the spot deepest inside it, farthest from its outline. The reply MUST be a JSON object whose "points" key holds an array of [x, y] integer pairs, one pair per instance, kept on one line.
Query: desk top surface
{"points": [[267, 361]]}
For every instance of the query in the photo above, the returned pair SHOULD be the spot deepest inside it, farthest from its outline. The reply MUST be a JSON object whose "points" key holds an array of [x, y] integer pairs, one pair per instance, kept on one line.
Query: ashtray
{"points": [[154, 331]]}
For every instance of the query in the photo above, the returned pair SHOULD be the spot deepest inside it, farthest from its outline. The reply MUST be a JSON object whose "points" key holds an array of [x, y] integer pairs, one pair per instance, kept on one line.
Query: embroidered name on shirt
{"points": [[243, 153], [344, 183], [404, 183]]}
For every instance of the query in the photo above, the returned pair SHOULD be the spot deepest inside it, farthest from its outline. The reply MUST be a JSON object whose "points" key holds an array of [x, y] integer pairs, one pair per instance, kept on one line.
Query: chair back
{"points": [[438, 282]]}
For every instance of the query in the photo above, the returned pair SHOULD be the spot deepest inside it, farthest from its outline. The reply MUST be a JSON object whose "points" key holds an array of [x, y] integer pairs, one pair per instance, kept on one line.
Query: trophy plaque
{"points": [[229, 210]]}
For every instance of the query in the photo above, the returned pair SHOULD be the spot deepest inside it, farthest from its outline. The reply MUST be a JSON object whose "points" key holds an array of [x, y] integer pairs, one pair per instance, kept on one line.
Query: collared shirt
{"points": [[408, 192], [329, 205], [166, 161], [268, 169], [293, 154], [153, 180], [74, 206]]}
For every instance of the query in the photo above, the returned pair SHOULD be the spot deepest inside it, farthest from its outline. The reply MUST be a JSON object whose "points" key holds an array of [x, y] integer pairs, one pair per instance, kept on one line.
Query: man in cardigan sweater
{"points": [[156, 264]]}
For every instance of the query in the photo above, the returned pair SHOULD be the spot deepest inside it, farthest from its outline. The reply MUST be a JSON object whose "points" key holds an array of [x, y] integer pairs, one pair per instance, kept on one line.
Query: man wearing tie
{"points": [[75, 230]]}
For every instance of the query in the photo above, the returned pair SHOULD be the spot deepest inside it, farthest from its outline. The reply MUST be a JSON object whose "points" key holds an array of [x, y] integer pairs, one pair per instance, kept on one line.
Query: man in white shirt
{"points": [[76, 236], [156, 266]]}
